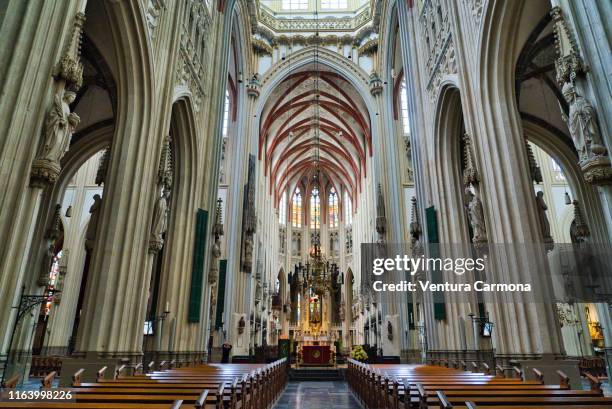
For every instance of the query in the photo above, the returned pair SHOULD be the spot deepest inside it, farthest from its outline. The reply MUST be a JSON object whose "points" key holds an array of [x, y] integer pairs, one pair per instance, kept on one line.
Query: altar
{"points": [[317, 355], [316, 349]]}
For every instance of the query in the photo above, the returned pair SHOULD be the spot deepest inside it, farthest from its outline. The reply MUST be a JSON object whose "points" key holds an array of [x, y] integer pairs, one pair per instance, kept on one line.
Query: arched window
{"points": [[315, 209], [557, 171], [296, 209], [282, 209], [294, 4], [334, 4], [226, 112], [404, 107], [332, 206], [348, 210]]}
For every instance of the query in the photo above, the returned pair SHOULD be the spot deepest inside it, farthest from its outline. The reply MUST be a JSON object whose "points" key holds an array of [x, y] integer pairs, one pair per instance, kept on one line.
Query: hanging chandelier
{"points": [[318, 275]]}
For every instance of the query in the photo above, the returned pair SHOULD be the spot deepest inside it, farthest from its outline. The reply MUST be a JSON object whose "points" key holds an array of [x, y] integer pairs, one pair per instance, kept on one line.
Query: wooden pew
{"points": [[236, 387], [11, 382], [413, 386]]}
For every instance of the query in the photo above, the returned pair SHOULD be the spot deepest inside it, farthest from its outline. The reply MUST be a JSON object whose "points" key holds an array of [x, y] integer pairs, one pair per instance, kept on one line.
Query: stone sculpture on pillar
{"points": [[544, 223], [476, 217], [216, 250], [415, 230], [583, 127], [47, 265], [249, 219], [160, 221], [159, 224], [582, 122], [57, 132], [473, 206], [381, 219], [92, 227], [582, 119], [60, 123]]}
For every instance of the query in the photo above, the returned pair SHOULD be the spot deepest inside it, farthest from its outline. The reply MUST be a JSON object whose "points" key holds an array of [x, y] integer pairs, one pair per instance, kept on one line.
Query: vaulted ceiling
{"points": [[315, 123]]}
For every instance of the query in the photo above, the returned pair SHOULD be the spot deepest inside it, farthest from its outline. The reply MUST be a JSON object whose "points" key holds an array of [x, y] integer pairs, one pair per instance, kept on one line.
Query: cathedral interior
{"points": [[195, 191]]}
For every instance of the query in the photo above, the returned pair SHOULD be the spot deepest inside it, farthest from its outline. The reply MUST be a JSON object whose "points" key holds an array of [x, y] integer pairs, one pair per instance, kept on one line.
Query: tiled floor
{"points": [[317, 395]]}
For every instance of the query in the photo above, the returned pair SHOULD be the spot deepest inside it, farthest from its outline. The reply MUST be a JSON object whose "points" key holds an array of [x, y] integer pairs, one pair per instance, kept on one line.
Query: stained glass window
{"points": [[332, 206], [315, 209], [296, 209]]}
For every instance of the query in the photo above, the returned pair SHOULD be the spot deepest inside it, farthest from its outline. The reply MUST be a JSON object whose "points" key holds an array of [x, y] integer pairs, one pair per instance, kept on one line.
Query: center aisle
{"points": [[317, 395]]}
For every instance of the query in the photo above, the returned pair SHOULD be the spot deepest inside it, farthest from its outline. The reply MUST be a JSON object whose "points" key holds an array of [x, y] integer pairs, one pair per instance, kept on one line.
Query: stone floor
{"points": [[317, 395]]}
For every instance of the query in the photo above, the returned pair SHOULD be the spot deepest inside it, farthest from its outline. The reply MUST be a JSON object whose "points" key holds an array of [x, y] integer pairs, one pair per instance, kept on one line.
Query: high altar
{"points": [[315, 342], [314, 337]]}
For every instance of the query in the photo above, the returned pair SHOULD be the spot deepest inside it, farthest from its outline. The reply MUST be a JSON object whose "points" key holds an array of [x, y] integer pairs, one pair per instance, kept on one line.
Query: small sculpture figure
{"points": [[544, 223], [476, 216], [90, 234], [160, 218]]}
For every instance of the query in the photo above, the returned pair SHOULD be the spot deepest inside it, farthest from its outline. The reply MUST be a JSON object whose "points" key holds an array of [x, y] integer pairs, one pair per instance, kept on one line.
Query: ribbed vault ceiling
{"points": [[315, 122]]}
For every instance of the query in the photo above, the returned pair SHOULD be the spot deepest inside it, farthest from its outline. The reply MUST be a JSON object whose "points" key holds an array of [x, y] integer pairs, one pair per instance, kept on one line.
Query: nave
{"points": [[216, 187]]}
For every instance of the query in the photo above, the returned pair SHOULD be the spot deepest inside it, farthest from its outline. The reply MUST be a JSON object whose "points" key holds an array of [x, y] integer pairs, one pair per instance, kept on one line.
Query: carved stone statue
{"points": [[94, 211], [47, 265], [241, 325], [582, 123], [160, 221], [476, 217], [57, 132], [544, 223], [59, 126], [214, 266]]}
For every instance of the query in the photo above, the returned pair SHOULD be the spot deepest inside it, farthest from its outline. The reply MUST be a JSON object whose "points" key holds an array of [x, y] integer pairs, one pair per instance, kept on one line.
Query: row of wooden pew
{"points": [[429, 386], [218, 386]]}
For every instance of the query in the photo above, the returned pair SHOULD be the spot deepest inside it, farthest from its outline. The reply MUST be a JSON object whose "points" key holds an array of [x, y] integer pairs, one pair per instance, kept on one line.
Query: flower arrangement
{"points": [[359, 354]]}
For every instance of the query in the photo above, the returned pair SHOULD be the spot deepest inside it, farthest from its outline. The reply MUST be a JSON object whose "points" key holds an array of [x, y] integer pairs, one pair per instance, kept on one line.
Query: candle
{"points": [[167, 307]]}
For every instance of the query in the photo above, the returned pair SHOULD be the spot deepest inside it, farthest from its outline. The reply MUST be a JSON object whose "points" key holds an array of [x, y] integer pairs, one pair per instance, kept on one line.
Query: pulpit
{"points": [[316, 355]]}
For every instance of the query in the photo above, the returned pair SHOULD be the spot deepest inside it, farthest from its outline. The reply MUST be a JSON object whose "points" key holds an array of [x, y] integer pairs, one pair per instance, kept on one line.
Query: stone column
{"points": [[32, 76], [114, 310], [523, 328]]}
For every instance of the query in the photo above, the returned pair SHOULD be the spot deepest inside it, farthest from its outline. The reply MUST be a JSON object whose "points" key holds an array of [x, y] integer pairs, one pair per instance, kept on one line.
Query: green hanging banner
{"points": [[220, 294], [436, 276], [197, 272]]}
